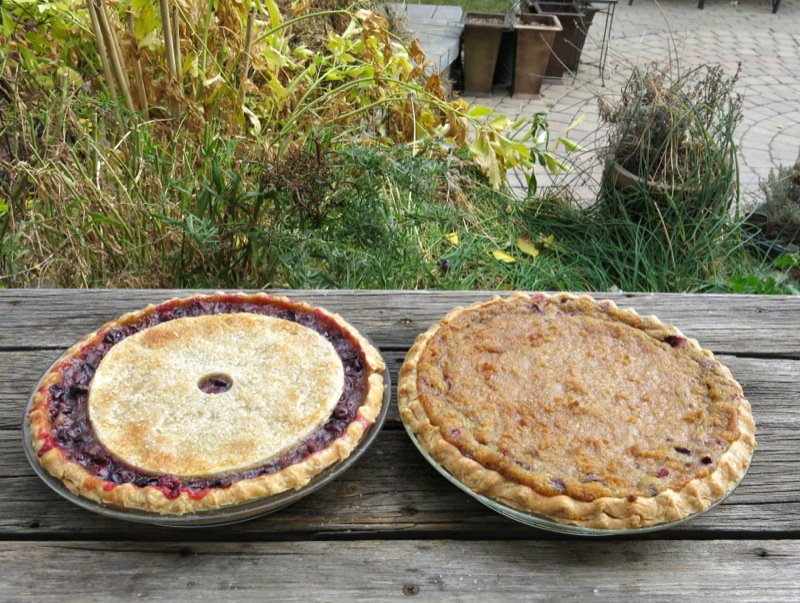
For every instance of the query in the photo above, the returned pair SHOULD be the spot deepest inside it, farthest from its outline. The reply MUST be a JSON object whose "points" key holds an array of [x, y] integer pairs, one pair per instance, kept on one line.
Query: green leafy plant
{"points": [[780, 276], [611, 248]]}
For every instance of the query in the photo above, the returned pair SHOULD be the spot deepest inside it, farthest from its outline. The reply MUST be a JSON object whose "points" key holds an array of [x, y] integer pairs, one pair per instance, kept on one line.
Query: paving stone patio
{"points": [[727, 33]]}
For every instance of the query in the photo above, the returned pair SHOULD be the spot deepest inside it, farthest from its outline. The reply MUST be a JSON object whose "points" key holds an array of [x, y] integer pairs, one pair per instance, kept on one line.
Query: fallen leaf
{"points": [[503, 256], [525, 245], [452, 238]]}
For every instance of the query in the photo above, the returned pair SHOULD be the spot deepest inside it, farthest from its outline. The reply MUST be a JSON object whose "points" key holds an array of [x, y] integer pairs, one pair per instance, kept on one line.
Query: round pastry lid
{"points": [[200, 396]]}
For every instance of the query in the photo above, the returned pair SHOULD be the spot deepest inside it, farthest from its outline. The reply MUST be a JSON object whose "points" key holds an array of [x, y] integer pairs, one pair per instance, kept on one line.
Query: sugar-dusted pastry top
{"points": [[554, 403], [149, 407]]}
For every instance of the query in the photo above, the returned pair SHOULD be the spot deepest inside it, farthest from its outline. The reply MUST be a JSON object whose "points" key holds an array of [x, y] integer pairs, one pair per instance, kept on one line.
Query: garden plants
{"points": [[147, 144], [775, 223], [671, 140]]}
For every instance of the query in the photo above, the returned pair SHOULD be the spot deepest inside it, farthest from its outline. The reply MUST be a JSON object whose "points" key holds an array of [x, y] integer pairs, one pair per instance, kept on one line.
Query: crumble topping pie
{"points": [[204, 402], [577, 410]]}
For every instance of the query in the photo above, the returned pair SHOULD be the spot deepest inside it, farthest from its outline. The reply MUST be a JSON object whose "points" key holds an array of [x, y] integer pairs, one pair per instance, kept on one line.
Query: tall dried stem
{"points": [[137, 70], [169, 47], [101, 49], [248, 44], [176, 45], [114, 52]]}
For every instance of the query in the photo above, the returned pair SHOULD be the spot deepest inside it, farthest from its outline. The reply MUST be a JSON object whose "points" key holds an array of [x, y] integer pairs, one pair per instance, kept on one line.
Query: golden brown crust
{"points": [[152, 499], [586, 507], [147, 409]]}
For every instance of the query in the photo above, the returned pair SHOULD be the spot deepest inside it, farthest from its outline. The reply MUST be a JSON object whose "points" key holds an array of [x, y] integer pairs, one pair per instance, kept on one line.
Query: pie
{"points": [[576, 410], [205, 402]]}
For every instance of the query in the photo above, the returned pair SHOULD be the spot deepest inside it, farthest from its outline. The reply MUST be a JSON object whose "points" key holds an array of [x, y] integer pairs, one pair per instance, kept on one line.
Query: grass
{"points": [[210, 212], [94, 196]]}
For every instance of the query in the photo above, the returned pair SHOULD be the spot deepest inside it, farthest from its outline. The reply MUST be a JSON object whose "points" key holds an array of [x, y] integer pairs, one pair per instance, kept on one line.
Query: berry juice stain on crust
{"points": [[68, 400]]}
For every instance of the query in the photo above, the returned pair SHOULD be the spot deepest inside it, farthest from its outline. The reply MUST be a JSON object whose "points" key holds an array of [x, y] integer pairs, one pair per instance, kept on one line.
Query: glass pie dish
{"points": [[542, 521], [228, 514]]}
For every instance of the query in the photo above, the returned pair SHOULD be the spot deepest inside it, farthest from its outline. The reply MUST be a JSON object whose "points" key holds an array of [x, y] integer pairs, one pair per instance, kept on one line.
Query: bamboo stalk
{"points": [[248, 43], [114, 51], [101, 49], [169, 48], [137, 70], [176, 45]]}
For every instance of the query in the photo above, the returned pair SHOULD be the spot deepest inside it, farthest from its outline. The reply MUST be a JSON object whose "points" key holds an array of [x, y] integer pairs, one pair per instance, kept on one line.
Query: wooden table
{"points": [[392, 527]]}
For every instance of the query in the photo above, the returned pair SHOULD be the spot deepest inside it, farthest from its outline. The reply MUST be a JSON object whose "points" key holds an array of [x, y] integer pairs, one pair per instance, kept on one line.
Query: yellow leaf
{"points": [[477, 111], [275, 16], [551, 163], [570, 145], [503, 256], [548, 241], [256, 129], [527, 246], [500, 123], [452, 238], [578, 121]]}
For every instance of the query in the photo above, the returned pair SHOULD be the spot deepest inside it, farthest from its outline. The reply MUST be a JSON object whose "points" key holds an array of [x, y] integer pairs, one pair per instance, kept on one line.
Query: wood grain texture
{"points": [[382, 570], [733, 324], [393, 487], [393, 490], [392, 527]]}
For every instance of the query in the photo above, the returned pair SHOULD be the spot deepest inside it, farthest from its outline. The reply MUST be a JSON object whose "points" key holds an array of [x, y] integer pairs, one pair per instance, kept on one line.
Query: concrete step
{"points": [[438, 29]]}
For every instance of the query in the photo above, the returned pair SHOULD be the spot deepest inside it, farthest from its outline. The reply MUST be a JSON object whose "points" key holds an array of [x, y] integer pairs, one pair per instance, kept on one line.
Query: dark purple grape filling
{"points": [[558, 484], [68, 404], [675, 341], [215, 384]]}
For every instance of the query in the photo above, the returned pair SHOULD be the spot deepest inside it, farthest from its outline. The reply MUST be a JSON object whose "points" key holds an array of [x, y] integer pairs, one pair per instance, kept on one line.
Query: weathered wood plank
{"points": [[735, 324], [393, 490], [749, 570]]}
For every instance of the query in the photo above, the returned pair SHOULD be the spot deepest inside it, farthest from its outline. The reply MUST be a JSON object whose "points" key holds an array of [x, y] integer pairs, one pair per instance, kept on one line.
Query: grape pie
{"points": [[204, 402]]}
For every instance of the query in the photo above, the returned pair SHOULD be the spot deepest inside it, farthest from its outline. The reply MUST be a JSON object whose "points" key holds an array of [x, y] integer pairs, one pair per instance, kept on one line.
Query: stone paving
{"points": [[727, 33]]}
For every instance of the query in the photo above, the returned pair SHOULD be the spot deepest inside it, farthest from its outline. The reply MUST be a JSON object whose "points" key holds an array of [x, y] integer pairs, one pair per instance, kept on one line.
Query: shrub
{"points": [[671, 140], [778, 217]]}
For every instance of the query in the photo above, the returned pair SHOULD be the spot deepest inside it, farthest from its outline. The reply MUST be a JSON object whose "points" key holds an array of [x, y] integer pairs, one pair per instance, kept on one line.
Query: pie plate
{"points": [[215, 517], [542, 521]]}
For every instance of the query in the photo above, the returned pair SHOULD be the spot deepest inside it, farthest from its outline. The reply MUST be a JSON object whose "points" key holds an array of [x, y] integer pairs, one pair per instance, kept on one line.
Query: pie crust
{"points": [[205, 402], [576, 410]]}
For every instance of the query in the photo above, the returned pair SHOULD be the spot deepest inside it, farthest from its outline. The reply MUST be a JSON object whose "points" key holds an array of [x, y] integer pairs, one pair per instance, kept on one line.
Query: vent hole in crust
{"points": [[216, 383]]}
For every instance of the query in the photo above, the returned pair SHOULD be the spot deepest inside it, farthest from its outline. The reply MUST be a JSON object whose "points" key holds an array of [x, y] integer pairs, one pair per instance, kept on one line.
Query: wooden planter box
{"points": [[568, 45], [535, 36], [480, 45]]}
